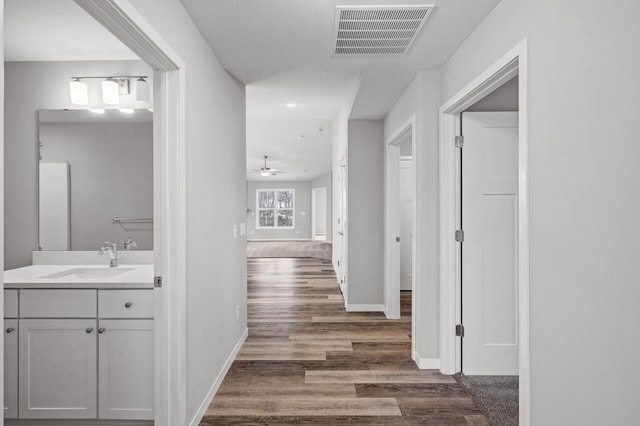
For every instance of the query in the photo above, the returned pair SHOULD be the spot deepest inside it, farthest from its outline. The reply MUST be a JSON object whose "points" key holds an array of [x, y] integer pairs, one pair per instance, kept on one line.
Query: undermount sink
{"points": [[88, 273]]}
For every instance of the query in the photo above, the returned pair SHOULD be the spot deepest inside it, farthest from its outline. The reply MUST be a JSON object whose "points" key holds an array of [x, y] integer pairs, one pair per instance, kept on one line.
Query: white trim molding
{"points": [[426, 363], [126, 24], [514, 62], [216, 384], [361, 307]]}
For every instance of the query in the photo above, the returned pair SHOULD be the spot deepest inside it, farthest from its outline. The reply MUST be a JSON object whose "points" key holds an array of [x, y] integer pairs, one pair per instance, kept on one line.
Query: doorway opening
{"points": [[319, 214], [484, 229], [400, 225], [126, 24]]}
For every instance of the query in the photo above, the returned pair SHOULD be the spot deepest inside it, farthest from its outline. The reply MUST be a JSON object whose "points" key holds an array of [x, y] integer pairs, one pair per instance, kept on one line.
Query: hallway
{"points": [[308, 361]]}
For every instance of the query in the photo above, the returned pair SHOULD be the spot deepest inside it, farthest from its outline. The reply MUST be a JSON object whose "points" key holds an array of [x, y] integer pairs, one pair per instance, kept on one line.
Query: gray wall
{"points": [[111, 168], [302, 221], [505, 98], [365, 205], [584, 186], [325, 181], [422, 100], [30, 86]]}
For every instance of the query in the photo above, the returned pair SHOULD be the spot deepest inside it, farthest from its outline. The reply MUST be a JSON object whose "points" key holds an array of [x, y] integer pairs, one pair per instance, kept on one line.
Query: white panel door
{"points": [[126, 369], [489, 250], [10, 368], [58, 369], [406, 221]]}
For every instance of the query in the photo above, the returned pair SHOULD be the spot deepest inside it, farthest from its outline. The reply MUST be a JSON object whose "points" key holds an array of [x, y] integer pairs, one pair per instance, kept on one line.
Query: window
{"points": [[275, 208]]}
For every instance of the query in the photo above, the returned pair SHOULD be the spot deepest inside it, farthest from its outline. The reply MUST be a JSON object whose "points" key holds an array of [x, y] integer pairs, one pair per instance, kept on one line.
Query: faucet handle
{"points": [[107, 246]]}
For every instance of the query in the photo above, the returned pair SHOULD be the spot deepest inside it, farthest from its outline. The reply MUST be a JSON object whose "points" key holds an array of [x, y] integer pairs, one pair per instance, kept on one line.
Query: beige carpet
{"points": [[289, 248]]}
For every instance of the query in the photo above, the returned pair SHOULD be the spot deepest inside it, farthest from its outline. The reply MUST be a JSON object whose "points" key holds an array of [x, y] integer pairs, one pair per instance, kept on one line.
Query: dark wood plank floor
{"points": [[308, 361]]}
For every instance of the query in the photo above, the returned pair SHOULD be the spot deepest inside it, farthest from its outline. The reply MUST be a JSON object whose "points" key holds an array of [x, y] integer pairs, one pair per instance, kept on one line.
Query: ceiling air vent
{"points": [[377, 30]]}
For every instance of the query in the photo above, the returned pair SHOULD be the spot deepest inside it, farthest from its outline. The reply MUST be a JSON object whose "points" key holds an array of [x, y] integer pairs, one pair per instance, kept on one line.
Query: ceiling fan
{"points": [[266, 171]]}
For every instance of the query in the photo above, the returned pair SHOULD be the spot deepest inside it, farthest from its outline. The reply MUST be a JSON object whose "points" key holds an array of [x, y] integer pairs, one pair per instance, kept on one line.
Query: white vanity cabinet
{"points": [[11, 354], [57, 354], [79, 354], [58, 362], [126, 354]]}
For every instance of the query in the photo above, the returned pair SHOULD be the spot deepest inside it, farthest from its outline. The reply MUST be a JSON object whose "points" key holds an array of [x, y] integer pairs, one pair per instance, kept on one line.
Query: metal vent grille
{"points": [[377, 30]]}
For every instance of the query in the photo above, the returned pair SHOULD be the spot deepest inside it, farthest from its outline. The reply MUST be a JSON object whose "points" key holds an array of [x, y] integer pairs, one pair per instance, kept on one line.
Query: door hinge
{"points": [[397, 239], [459, 141], [157, 282], [459, 235], [338, 263], [460, 330]]}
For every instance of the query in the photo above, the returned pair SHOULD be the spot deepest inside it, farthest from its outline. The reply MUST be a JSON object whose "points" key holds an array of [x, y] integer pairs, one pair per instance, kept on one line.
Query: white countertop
{"points": [[139, 276]]}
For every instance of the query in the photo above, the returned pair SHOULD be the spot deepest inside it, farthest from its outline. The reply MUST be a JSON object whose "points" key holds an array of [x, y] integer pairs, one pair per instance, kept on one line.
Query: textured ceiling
{"points": [[56, 30], [282, 50]]}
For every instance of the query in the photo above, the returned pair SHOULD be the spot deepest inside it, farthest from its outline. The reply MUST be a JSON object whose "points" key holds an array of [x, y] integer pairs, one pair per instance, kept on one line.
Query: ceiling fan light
{"points": [[265, 173]]}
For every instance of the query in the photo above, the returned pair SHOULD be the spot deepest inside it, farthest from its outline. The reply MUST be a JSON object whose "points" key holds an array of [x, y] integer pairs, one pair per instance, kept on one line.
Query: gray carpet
{"points": [[289, 248], [497, 396]]}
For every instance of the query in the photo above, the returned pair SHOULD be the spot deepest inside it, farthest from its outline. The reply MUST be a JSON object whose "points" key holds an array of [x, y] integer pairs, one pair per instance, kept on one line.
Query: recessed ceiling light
{"points": [[301, 136], [292, 105], [320, 129]]}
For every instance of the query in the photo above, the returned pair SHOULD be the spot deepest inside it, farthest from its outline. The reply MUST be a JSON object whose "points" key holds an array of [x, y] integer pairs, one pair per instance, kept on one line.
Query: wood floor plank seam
{"points": [[308, 361]]}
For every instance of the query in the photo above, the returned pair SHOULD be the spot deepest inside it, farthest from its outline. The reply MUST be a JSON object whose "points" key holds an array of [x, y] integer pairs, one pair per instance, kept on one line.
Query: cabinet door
{"points": [[58, 368], [10, 369], [126, 369]]}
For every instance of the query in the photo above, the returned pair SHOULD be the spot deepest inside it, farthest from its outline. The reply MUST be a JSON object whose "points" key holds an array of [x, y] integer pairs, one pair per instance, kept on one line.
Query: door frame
{"points": [[342, 229], [392, 227], [515, 62], [126, 23]]}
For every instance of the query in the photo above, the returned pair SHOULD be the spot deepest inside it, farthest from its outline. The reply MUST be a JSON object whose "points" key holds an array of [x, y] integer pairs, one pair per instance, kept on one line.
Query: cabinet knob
{"points": [[10, 330], [89, 330], [128, 304], [101, 330]]}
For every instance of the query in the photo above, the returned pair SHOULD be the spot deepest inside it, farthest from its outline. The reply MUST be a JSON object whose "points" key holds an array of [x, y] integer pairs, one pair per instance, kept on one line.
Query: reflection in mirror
{"points": [[95, 167]]}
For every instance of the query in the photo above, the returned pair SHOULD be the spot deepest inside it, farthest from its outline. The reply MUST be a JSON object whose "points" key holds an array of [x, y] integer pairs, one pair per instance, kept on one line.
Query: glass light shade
{"points": [[142, 90], [264, 173], [110, 92], [79, 92]]}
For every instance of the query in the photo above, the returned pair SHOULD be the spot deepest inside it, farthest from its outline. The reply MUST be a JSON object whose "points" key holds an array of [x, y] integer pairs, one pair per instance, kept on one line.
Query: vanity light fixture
{"points": [[111, 92], [79, 92], [142, 90], [112, 88]]}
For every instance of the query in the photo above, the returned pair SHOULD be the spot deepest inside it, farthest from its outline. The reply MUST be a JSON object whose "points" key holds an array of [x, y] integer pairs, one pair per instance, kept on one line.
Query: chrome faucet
{"points": [[112, 249], [130, 244]]}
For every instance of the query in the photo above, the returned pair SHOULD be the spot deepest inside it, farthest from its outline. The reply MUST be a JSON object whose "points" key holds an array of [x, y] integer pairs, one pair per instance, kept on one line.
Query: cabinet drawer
{"points": [[11, 303], [125, 303], [58, 303]]}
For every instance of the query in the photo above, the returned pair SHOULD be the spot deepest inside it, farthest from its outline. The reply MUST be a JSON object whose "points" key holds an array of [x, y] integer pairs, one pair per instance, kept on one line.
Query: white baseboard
{"points": [[426, 363], [356, 307], [216, 384]]}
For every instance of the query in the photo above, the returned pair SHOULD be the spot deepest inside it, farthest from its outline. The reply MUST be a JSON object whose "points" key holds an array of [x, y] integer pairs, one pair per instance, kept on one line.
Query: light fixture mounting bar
{"points": [[111, 76]]}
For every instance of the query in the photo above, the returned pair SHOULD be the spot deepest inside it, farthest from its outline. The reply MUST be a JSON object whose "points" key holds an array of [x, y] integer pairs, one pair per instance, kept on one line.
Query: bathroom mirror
{"points": [[95, 178]]}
